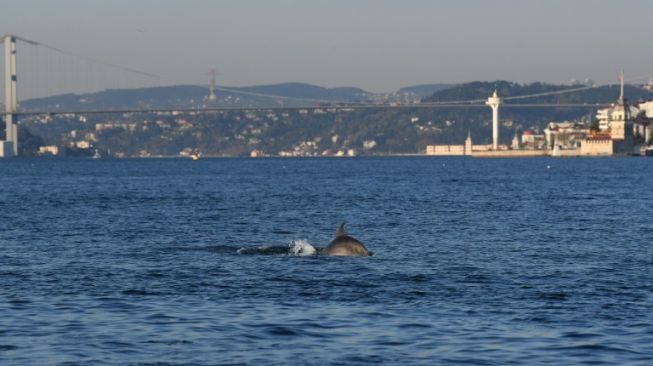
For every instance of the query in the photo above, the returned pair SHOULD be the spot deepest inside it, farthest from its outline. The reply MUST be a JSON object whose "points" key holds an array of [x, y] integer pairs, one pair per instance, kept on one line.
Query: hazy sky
{"points": [[379, 45]]}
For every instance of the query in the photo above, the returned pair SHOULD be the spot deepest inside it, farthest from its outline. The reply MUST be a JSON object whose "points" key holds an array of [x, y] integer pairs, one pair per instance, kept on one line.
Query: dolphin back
{"points": [[345, 245]]}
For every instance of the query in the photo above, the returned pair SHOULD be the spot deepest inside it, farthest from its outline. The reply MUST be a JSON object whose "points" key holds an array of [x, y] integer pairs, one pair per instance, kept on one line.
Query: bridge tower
{"points": [[212, 97], [9, 146], [494, 102]]}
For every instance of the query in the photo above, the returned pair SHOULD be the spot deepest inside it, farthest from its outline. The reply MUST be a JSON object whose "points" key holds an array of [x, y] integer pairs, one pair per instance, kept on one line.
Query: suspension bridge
{"points": [[47, 70]]}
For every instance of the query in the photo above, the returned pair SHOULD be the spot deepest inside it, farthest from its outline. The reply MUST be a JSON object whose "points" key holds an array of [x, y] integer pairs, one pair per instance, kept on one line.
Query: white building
{"points": [[565, 135], [451, 150], [49, 150], [606, 116], [646, 109], [644, 121], [532, 141], [618, 122]]}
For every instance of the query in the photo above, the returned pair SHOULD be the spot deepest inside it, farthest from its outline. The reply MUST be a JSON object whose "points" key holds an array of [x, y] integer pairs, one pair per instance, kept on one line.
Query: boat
{"points": [[97, 154], [196, 155]]}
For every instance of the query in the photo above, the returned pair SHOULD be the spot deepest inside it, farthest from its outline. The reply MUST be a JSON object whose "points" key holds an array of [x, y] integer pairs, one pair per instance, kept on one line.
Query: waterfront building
{"points": [[600, 144], [644, 122], [49, 150], [618, 121], [532, 141], [621, 128], [445, 150], [565, 135], [603, 117], [621, 124], [615, 113], [646, 109], [452, 150]]}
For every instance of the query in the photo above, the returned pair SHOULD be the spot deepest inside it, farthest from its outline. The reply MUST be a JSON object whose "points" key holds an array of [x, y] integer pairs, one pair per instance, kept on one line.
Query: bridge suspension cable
{"points": [[58, 71], [79, 73], [283, 97]]}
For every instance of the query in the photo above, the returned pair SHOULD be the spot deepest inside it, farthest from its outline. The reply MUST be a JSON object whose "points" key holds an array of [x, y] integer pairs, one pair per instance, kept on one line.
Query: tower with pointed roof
{"points": [[468, 143], [621, 122], [515, 141]]}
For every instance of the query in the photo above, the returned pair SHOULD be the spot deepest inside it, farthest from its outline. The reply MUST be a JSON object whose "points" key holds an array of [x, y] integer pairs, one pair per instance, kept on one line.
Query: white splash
{"points": [[301, 248]]}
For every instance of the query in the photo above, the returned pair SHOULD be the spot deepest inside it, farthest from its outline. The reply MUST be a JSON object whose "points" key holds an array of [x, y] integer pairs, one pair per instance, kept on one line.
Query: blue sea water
{"points": [[476, 262]]}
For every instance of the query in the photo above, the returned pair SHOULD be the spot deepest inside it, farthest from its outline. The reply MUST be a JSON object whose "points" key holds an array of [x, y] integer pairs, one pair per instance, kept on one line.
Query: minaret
{"points": [[621, 81], [468, 143], [515, 141], [494, 101], [622, 98]]}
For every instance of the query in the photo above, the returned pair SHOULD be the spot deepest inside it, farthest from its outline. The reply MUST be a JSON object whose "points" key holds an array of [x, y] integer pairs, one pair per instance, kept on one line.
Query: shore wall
{"points": [[510, 153]]}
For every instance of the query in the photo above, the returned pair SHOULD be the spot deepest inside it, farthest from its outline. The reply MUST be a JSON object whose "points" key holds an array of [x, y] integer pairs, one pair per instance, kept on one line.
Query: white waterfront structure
{"points": [[494, 102]]}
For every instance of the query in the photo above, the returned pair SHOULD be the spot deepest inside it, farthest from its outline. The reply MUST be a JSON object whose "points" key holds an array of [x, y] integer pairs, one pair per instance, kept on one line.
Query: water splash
{"points": [[301, 248], [296, 248]]}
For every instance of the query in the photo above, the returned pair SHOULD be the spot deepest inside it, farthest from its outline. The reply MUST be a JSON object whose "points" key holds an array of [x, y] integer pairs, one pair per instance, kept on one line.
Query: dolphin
{"points": [[345, 245]]}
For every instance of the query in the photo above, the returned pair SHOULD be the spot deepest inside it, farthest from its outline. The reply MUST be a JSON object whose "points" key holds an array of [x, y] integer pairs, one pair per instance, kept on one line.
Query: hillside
{"points": [[190, 96], [424, 90], [308, 91], [308, 132], [506, 89]]}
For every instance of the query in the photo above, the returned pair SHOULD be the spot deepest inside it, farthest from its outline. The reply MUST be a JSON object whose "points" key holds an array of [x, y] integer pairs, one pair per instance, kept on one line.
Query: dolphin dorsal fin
{"points": [[341, 229]]}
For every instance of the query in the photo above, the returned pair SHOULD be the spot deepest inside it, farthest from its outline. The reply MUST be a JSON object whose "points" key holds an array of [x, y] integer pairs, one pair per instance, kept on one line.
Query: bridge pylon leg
{"points": [[10, 144]]}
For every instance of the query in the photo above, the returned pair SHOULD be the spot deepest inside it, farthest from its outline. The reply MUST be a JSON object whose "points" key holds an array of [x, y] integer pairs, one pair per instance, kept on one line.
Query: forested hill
{"points": [[424, 90], [191, 96], [506, 89]]}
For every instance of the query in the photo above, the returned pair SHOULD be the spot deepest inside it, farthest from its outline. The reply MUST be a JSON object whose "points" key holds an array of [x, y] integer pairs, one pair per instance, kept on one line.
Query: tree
{"points": [[29, 143], [595, 125]]}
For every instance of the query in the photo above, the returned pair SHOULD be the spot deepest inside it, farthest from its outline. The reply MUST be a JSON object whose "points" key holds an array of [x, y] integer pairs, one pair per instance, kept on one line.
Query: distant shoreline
{"points": [[215, 157]]}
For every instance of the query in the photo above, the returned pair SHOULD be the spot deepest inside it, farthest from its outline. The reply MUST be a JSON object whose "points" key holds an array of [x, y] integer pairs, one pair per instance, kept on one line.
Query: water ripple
{"points": [[481, 262]]}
